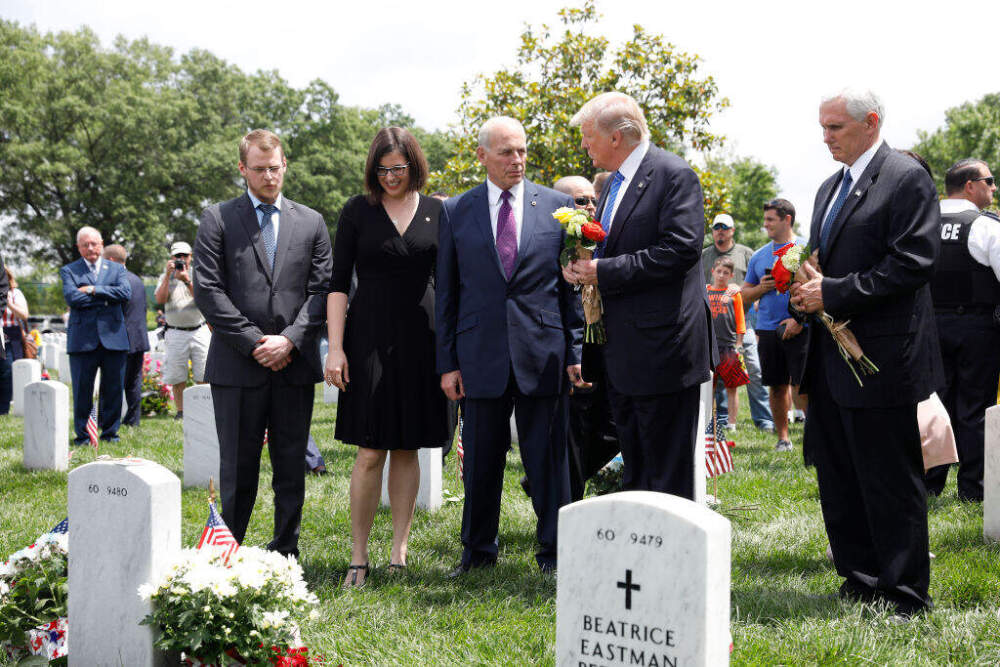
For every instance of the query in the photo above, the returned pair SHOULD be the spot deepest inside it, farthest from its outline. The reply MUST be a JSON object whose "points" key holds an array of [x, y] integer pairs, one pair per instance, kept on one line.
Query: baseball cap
{"points": [[725, 220], [180, 248]]}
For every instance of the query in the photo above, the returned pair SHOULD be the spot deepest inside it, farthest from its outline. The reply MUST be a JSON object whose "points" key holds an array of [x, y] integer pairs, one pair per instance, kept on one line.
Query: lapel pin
{"points": [[640, 186], [427, 219], [532, 202], [857, 193]]}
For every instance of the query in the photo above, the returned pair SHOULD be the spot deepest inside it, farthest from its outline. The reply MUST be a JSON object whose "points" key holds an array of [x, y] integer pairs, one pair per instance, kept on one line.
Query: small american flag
{"points": [[92, 427], [62, 527], [216, 533], [718, 458], [460, 451]]}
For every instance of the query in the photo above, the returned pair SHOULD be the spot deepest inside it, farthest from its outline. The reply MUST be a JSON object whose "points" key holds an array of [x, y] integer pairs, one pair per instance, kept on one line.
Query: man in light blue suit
{"points": [[94, 289], [508, 328]]}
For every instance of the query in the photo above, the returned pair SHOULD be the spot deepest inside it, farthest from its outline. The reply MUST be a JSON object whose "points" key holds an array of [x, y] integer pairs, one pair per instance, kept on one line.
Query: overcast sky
{"points": [[773, 60]]}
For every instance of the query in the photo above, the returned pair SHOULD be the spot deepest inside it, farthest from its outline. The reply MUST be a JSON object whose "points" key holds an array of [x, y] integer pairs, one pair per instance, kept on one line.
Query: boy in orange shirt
{"points": [[729, 327]]}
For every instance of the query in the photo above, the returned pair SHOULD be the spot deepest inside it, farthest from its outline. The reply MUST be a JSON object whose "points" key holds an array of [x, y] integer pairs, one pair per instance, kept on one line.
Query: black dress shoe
{"points": [[464, 569]]}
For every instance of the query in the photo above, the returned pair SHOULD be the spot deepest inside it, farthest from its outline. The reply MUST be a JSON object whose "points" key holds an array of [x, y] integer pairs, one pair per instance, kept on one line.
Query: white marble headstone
{"points": [[124, 525], [62, 367], [643, 580], [46, 426], [991, 476], [705, 400], [429, 494], [201, 440], [23, 373]]}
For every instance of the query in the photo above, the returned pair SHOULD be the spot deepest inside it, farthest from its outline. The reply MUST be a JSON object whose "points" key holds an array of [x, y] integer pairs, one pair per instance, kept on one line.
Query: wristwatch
{"points": [[90, 290]]}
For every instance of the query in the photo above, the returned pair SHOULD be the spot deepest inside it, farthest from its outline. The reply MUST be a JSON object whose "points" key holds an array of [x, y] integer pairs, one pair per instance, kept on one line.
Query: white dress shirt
{"points": [[984, 234], [275, 217], [628, 169], [493, 193], [856, 170]]}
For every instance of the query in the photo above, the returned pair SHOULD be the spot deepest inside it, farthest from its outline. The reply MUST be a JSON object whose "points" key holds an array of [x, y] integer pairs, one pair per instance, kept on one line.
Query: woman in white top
{"points": [[15, 316]]}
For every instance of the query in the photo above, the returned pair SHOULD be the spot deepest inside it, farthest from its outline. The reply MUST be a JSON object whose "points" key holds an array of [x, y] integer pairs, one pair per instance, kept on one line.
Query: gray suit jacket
{"points": [[243, 299]]}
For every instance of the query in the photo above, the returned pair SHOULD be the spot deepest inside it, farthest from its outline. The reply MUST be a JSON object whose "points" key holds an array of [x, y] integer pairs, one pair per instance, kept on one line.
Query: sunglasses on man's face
{"points": [[583, 201], [721, 226], [989, 180]]}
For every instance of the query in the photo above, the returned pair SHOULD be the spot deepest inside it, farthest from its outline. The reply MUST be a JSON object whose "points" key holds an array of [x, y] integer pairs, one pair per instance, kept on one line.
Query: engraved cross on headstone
{"points": [[629, 587]]}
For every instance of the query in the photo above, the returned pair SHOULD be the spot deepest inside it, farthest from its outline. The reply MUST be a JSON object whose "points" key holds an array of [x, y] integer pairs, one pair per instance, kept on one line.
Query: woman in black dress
{"points": [[382, 350]]}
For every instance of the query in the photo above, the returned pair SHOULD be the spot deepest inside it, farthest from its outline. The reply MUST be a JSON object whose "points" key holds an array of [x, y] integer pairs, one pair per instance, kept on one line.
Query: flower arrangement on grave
{"points": [[788, 268], [245, 609], [33, 592], [608, 479], [155, 394], [583, 233]]}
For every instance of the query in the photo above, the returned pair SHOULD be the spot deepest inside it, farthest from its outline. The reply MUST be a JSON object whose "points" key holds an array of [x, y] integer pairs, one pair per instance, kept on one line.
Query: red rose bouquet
{"points": [[583, 234], [788, 269]]}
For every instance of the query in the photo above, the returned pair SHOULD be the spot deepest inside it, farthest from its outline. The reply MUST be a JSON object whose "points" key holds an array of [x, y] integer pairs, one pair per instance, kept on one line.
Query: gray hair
{"points": [[567, 184], [860, 103], [489, 125], [87, 230], [612, 112]]}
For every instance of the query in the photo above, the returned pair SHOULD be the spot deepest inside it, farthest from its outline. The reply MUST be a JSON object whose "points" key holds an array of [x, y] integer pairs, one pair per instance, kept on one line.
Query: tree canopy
{"points": [[556, 71], [136, 142]]}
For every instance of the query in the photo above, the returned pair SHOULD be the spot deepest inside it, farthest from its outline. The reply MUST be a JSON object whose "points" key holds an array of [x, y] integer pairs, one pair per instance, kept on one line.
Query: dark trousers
{"points": [[6, 379], [657, 435], [970, 350], [83, 367], [593, 440], [241, 415], [541, 429], [133, 387], [871, 488]]}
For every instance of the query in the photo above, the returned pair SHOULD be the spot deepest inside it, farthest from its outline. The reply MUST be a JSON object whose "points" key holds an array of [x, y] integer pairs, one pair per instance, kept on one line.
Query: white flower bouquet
{"points": [[33, 593], [213, 611]]}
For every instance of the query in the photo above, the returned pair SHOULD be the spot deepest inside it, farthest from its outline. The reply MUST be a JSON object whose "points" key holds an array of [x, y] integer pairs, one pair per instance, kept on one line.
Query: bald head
{"points": [[581, 190]]}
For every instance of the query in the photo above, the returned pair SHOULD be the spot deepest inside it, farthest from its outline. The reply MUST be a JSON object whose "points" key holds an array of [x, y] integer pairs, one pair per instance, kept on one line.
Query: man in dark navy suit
{"points": [[138, 339], [508, 327], [876, 226], [95, 290], [660, 344]]}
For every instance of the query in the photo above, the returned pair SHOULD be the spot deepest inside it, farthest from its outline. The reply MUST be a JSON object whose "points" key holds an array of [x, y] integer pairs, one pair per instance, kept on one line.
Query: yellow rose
{"points": [[564, 214]]}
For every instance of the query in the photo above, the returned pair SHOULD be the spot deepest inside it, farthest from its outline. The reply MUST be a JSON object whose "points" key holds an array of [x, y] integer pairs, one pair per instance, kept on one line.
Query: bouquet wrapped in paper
{"points": [[583, 233], [788, 268]]}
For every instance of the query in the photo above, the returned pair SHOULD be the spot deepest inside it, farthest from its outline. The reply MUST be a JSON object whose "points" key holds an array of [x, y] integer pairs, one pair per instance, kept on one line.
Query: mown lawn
{"points": [[782, 609]]}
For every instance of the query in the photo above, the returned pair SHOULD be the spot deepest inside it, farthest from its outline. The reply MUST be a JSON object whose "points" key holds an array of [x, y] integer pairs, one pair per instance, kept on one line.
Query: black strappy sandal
{"points": [[351, 578]]}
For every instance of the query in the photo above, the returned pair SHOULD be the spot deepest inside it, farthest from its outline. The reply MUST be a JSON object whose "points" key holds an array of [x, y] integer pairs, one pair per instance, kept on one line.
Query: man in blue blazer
{"points": [[660, 347], [138, 337], [95, 290], [508, 327]]}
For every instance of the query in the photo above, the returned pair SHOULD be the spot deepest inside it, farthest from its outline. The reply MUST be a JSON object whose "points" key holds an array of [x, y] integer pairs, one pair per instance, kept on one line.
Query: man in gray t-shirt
{"points": [[723, 229]]}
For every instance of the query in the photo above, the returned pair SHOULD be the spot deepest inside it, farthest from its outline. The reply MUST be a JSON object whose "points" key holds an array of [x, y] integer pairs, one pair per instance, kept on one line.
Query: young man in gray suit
{"points": [[261, 276]]}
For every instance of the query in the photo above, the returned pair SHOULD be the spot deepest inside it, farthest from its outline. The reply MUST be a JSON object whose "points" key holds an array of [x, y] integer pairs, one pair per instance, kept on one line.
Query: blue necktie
{"points": [[838, 203], [267, 230], [609, 205]]}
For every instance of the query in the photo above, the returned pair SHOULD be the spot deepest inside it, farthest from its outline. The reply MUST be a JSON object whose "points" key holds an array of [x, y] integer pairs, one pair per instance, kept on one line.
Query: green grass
{"points": [[781, 579]]}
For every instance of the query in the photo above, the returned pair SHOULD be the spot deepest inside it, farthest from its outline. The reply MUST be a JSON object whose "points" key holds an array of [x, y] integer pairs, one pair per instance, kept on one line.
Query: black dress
{"points": [[394, 398]]}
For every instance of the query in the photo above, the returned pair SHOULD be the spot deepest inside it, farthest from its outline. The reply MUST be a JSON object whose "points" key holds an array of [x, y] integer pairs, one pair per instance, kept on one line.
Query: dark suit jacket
{"points": [[656, 312], [879, 258], [243, 299], [487, 325], [95, 318], [135, 314]]}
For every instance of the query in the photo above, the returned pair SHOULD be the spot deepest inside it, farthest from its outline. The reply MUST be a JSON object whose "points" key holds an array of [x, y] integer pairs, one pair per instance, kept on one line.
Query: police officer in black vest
{"points": [[966, 294]]}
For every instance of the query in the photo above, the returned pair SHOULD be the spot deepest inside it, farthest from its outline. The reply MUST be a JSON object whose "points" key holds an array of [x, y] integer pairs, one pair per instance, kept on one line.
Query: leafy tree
{"points": [[747, 184], [556, 72], [970, 130]]}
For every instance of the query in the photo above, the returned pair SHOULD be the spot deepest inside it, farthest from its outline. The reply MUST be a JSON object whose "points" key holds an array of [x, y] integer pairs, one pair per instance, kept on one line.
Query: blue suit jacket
{"points": [[95, 318], [135, 314], [487, 325]]}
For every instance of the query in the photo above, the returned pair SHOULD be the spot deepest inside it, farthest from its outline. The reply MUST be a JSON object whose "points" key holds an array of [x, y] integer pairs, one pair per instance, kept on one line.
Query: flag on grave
{"points": [[92, 427], [460, 451], [718, 458], [62, 527], [216, 533]]}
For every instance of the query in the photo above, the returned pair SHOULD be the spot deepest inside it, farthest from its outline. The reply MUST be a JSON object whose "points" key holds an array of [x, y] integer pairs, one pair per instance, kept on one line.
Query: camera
{"points": [[179, 265]]}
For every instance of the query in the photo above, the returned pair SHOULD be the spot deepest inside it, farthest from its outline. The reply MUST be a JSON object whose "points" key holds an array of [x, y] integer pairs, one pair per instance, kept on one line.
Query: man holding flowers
{"points": [[659, 345]]}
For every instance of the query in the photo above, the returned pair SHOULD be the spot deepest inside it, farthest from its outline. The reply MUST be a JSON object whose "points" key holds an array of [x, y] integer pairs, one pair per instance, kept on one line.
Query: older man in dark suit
{"points": [[508, 328], [876, 226], [262, 267], [138, 340], [95, 290], [659, 347]]}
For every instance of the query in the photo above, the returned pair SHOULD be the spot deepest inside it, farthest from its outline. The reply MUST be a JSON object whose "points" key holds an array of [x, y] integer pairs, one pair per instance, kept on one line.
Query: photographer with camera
{"points": [[187, 335]]}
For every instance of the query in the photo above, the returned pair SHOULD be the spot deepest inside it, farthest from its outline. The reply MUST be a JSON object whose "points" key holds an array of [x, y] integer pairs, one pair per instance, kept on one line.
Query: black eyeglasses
{"points": [[583, 201], [396, 170], [989, 179]]}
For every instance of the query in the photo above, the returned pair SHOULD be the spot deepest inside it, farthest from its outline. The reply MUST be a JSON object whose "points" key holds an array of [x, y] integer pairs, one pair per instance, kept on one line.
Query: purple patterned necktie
{"points": [[506, 235]]}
